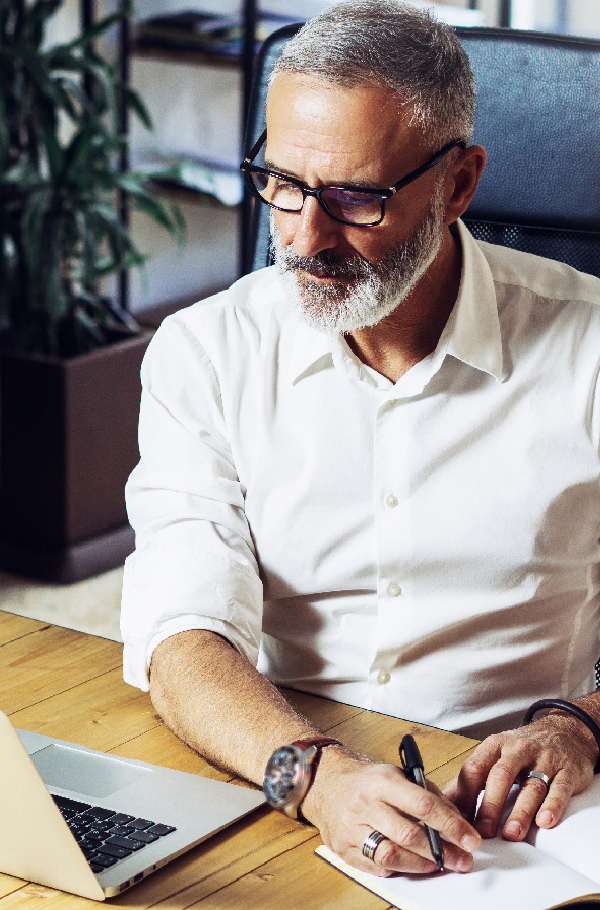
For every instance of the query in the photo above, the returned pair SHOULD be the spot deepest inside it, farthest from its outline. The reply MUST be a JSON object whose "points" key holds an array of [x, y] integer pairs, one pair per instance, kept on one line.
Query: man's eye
{"points": [[283, 194], [277, 183]]}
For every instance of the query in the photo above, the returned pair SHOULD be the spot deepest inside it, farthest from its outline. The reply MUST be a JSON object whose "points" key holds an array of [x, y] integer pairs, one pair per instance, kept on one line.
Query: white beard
{"points": [[375, 291]]}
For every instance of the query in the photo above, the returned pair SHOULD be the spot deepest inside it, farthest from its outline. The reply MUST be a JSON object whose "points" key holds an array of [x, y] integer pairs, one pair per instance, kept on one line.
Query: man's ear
{"points": [[461, 180]]}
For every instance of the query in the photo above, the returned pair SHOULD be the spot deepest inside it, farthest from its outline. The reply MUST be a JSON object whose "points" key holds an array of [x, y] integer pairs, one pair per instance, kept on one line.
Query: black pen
{"points": [[412, 765]]}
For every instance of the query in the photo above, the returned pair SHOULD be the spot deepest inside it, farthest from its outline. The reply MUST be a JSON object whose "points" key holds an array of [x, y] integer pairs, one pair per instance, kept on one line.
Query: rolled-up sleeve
{"points": [[194, 566]]}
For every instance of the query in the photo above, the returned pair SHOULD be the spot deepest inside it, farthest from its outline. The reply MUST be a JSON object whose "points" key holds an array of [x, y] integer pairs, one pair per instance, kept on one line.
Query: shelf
{"points": [[164, 54], [194, 177], [202, 38], [179, 192]]}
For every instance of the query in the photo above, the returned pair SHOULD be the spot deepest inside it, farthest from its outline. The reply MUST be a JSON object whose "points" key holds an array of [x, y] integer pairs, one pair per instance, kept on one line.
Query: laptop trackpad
{"points": [[84, 772]]}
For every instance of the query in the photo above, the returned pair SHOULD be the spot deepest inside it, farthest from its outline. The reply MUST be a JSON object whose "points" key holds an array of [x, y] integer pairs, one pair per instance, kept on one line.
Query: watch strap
{"points": [[318, 743]]}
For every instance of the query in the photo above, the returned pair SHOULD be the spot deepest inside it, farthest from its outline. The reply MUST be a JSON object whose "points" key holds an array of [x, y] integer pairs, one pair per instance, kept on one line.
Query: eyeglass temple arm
{"points": [[428, 164], [255, 149]]}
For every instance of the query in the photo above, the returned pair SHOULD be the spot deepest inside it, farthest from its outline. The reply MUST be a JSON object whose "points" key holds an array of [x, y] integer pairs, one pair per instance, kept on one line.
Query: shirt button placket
{"points": [[392, 529]]}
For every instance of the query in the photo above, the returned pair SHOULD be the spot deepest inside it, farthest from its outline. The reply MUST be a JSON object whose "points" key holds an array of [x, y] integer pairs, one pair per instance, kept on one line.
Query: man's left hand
{"points": [[558, 745]]}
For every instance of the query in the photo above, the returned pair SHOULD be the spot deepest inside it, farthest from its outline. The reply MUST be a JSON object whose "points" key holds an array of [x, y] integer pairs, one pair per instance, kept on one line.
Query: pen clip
{"points": [[410, 757], [402, 755]]}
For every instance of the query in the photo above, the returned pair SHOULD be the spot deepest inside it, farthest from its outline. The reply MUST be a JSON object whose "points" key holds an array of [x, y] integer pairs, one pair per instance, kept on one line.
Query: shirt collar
{"points": [[311, 352], [472, 333], [473, 329]]}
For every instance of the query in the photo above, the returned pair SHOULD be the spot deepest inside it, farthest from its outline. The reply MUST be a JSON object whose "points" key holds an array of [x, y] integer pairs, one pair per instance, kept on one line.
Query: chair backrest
{"points": [[538, 115]]}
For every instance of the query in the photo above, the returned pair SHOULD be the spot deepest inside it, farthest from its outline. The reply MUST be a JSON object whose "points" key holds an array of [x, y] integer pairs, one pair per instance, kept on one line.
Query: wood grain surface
{"points": [[69, 685]]}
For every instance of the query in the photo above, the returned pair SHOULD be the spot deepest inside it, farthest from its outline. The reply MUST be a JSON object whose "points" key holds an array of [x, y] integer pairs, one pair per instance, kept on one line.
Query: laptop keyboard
{"points": [[106, 836]]}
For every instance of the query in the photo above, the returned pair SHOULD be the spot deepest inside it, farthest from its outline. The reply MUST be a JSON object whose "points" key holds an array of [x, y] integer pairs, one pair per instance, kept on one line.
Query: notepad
{"points": [[557, 867]]}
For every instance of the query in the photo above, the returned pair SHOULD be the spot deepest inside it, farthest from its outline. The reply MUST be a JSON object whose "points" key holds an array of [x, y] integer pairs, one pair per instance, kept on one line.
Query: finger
{"points": [[464, 790], [499, 781], [532, 794], [405, 835], [433, 809], [406, 848], [433, 788], [447, 796], [389, 859], [450, 791], [553, 807]]}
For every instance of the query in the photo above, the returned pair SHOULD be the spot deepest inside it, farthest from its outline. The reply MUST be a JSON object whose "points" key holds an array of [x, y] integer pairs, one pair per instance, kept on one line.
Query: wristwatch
{"points": [[290, 772]]}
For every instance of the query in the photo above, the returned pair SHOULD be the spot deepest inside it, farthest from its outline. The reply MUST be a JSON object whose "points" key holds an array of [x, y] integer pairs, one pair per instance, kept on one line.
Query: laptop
{"points": [[93, 824]]}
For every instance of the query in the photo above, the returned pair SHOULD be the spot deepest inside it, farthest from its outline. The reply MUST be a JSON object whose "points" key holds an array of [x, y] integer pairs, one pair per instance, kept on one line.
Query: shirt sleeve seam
{"points": [[195, 341]]}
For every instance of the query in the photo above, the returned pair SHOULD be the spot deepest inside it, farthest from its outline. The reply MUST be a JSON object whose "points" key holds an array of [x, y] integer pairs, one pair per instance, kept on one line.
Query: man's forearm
{"points": [[215, 701], [220, 705], [591, 705]]}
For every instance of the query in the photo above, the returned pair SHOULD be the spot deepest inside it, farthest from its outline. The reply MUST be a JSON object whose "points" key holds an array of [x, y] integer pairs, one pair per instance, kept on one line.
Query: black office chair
{"points": [[538, 115]]}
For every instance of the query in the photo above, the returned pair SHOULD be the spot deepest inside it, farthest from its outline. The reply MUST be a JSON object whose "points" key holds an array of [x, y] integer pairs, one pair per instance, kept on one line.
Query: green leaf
{"points": [[4, 131], [95, 32], [38, 73], [54, 291], [53, 152], [37, 17], [34, 214], [134, 102], [23, 174], [70, 97], [60, 227]]}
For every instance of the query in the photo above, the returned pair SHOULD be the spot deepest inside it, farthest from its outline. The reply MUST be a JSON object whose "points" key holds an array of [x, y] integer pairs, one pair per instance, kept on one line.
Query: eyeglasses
{"points": [[346, 204]]}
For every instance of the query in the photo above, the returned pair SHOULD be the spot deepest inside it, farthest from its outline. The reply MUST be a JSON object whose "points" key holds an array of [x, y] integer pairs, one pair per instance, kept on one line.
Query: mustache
{"points": [[326, 264]]}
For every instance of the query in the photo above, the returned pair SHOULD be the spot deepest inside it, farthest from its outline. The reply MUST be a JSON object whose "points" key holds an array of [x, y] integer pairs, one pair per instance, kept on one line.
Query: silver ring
{"points": [[540, 776], [371, 843]]}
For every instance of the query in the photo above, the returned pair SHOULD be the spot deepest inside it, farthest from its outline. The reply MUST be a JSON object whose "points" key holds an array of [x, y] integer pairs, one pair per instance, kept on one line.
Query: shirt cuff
{"points": [[167, 590]]}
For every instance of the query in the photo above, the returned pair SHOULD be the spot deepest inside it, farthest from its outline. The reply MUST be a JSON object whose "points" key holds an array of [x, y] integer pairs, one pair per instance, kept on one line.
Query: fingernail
{"points": [[470, 842], [513, 829], [485, 827], [545, 818]]}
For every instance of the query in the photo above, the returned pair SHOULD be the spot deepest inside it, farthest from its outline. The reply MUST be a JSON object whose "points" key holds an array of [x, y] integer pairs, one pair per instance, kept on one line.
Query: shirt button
{"points": [[393, 589], [383, 677], [391, 501]]}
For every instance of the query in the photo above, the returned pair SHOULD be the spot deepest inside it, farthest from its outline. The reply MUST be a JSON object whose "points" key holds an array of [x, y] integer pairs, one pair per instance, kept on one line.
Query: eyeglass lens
{"points": [[353, 206]]}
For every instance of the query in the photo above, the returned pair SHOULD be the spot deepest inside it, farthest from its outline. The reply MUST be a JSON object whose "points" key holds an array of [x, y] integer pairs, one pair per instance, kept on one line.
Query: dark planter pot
{"points": [[68, 443]]}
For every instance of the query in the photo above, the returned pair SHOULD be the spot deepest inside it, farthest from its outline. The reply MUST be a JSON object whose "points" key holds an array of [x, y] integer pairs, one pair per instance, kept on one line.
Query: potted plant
{"points": [[69, 356]]}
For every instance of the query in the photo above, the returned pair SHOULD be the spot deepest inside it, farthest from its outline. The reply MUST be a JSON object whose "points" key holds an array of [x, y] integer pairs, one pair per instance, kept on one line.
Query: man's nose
{"points": [[315, 230]]}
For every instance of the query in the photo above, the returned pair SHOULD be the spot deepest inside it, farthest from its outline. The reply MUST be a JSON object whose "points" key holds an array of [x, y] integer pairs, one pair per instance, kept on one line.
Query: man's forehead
{"points": [[322, 96], [308, 116]]}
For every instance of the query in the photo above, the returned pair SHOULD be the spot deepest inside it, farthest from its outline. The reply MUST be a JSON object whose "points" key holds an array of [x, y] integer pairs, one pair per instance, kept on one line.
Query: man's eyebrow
{"points": [[355, 184], [271, 166]]}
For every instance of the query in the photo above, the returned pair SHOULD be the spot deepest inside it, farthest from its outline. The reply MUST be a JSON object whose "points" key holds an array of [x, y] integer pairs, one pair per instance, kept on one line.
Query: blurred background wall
{"points": [[196, 109]]}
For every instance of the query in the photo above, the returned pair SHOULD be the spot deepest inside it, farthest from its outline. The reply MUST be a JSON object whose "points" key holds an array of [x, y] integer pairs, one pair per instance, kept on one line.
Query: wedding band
{"points": [[371, 843], [540, 776]]}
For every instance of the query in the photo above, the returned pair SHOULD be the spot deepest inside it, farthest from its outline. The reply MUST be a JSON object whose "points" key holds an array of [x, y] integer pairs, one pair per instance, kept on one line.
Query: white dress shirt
{"points": [[428, 549]]}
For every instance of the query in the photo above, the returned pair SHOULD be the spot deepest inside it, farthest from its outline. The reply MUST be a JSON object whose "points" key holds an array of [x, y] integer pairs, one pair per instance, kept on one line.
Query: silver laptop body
{"points": [[36, 843]]}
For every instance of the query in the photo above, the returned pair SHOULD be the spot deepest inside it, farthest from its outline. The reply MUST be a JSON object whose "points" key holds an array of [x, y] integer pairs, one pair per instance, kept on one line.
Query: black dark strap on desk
{"points": [[572, 709]]}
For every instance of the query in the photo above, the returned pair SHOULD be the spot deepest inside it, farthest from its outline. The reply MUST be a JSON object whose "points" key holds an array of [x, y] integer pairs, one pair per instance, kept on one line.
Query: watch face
{"points": [[284, 776]]}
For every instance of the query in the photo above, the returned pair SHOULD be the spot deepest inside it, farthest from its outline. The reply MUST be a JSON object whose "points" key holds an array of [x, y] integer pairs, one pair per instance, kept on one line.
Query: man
{"points": [[379, 459]]}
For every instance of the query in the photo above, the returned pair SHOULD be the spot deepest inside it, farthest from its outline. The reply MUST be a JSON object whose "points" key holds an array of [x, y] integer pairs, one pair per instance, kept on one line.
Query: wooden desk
{"points": [[69, 685]]}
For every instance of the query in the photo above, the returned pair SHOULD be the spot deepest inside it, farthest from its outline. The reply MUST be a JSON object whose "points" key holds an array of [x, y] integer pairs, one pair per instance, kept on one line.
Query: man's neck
{"points": [[412, 331]]}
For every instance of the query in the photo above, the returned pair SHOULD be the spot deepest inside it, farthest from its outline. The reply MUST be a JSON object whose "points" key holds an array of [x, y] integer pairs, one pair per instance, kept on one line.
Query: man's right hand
{"points": [[352, 797], [223, 708]]}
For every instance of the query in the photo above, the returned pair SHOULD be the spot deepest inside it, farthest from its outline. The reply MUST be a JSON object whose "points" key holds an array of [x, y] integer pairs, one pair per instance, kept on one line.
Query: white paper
{"points": [[576, 839], [505, 876], [556, 865]]}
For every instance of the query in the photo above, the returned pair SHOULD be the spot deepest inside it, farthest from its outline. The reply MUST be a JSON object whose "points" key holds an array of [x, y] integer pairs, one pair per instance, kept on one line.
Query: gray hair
{"points": [[390, 43]]}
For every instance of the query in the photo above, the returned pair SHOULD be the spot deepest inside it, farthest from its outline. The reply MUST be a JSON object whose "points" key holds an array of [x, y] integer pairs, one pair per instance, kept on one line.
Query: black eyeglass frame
{"points": [[381, 195]]}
